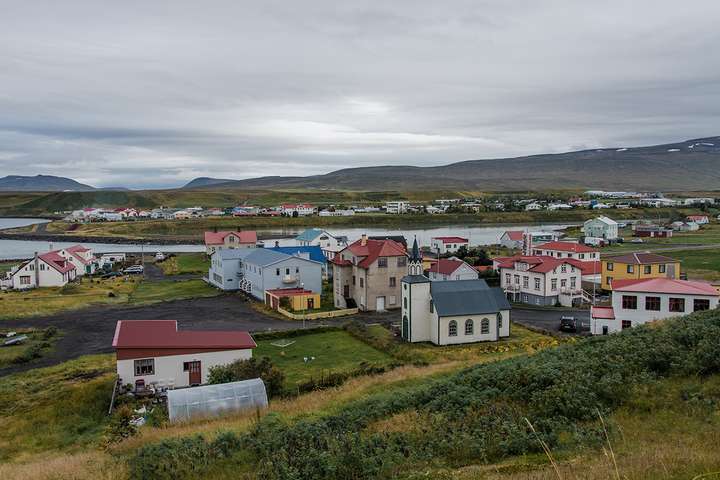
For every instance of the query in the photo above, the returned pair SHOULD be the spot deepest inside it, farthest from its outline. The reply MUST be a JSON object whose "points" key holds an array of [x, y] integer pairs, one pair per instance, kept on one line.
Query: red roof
{"points": [[373, 249], [218, 238], [604, 313], [56, 261], [539, 263], [586, 268], [446, 266], [75, 251], [451, 239], [566, 247], [514, 235], [289, 292], [299, 205], [161, 334], [697, 217], [665, 285]]}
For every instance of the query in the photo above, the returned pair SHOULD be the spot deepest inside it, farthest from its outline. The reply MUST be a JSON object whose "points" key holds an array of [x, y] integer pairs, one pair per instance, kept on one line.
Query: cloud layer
{"points": [[152, 94]]}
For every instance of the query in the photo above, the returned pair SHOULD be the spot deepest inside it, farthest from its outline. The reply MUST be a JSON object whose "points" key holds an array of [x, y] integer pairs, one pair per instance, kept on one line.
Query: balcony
{"points": [[290, 279]]}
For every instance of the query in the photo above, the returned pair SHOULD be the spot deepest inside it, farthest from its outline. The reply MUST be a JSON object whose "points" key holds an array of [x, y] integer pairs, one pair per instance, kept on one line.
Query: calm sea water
{"points": [[16, 249]]}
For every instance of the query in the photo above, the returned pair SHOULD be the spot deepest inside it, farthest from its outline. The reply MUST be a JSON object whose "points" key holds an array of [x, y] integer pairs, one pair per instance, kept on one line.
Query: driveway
{"points": [[548, 320], [90, 330]]}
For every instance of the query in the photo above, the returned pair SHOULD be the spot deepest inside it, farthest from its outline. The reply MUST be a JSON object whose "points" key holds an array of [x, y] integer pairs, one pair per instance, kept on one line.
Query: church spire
{"points": [[415, 251]]}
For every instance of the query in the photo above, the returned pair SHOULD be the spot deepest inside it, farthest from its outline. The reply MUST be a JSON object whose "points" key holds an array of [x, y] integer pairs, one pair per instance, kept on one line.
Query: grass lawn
{"points": [[707, 235], [6, 266], [699, 264], [333, 351], [46, 301], [165, 290], [185, 263], [61, 408], [38, 343]]}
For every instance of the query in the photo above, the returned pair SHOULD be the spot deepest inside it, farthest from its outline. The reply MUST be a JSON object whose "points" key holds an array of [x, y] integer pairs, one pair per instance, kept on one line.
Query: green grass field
{"points": [[185, 263], [166, 290], [333, 351], [699, 264], [39, 342]]}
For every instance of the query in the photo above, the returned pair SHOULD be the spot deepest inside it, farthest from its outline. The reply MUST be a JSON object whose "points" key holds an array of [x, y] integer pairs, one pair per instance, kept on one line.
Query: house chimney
{"points": [[215, 229], [363, 240], [36, 263]]}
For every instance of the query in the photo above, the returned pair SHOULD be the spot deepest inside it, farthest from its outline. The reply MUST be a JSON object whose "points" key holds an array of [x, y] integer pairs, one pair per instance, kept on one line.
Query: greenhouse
{"points": [[209, 400]]}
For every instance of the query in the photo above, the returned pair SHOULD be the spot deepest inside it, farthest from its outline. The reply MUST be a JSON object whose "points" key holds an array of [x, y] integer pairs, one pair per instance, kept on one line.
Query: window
{"points": [[526, 282], [626, 324], [24, 279], [452, 328], [537, 284], [610, 266], [484, 326], [32, 267], [297, 269], [582, 255], [629, 302], [677, 305], [563, 283], [146, 366], [517, 279], [652, 304], [553, 284], [432, 307], [392, 282], [499, 320], [661, 268], [42, 266], [277, 272], [469, 327], [405, 302], [382, 262], [647, 269], [609, 280], [507, 278], [353, 280], [563, 268], [605, 330], [361, 283], [401, 261], [630, 268], [287, 271], [573, 282], [701, 304], [392, 299]]}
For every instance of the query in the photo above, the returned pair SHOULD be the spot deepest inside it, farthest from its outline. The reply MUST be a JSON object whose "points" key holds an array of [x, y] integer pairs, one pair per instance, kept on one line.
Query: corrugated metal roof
{"points": [[467, 297]]}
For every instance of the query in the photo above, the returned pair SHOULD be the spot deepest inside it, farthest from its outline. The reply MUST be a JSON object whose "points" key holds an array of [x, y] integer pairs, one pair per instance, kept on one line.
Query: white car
{"points": [[159, 256], [134, 269]]}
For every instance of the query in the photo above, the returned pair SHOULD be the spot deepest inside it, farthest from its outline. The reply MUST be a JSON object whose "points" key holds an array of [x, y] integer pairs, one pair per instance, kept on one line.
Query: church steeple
{"points": [[415, 266]]}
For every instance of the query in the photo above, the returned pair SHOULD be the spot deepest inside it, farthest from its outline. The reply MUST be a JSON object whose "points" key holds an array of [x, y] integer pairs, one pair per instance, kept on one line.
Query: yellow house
{"points": [[636, 266], [298, 299]]}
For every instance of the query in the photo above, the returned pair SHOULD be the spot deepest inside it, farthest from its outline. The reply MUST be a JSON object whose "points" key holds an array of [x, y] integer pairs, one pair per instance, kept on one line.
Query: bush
{"points": [[49, 332], [271, 376], [119, 427], [33, 352]]}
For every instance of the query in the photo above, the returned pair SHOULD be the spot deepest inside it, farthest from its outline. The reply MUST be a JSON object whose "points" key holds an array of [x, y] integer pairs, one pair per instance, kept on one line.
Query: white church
{"points": [[453, 312]]}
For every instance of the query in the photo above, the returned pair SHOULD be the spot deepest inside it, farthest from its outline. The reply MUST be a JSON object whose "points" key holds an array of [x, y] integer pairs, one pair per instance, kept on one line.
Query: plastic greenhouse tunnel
{"points": [[187, 403]]}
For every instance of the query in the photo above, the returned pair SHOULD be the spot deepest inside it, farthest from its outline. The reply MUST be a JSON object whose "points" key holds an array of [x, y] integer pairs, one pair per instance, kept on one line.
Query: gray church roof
{"points": [[415, 279], [467, 297]]}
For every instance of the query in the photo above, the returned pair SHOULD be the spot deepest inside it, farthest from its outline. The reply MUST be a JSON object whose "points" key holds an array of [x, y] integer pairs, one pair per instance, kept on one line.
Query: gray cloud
{"points": [[151, 94]]}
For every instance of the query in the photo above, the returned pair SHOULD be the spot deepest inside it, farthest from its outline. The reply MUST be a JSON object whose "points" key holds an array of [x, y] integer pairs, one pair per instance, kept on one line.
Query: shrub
{"points": [[32, 352], [119, 427], [49, 332], [271, 376]]}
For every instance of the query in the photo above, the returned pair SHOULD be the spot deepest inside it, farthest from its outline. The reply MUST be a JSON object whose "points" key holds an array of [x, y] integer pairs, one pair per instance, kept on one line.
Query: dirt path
{"points": [[90, 330]]}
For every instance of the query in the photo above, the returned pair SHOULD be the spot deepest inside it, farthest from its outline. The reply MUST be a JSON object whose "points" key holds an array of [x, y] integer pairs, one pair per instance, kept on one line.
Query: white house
{"points": [[336, 213], [574, 250], [451, 269], [541, 280], [47, 270], [156, 353], [447, 244], [559, 206], [533, 206], [329, 243], [699, 219], [81, 257], [397, 207], [601, 227], [448, 313], [229, 240], [685, 226], [297, 210], [111, 259], [514, 238], [635, 302]]}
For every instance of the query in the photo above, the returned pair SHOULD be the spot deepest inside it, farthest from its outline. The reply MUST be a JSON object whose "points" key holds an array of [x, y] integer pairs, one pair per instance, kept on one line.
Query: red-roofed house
{"points": [[558, 249], [156, 352], [82, 257], [451, 269], [47, 270], [447, 244], [541, 280], [367, 274], [699, 219], [238, 239], [635, 302]]}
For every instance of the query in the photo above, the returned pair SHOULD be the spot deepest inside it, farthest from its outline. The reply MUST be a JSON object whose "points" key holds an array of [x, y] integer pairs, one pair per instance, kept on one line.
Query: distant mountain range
{"points": [[689, 165]]}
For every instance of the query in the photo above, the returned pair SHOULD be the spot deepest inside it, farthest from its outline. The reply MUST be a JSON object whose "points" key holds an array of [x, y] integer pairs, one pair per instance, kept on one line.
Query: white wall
{"points": [[170, 368], [464, 272], [494, 333], [417, 296], [640, 315]]}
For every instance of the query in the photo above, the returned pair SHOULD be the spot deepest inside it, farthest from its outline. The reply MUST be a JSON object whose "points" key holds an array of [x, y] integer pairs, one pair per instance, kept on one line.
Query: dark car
{"points": [[569, 324], [112, 275]]}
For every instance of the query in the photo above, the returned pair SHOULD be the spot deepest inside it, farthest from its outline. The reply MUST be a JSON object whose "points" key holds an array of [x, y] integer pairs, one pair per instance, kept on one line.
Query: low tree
{"points": [[263, 368]]}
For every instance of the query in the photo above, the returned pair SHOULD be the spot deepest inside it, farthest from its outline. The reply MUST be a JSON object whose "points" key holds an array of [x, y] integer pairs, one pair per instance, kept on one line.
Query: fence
{"points": [[317, 315]]}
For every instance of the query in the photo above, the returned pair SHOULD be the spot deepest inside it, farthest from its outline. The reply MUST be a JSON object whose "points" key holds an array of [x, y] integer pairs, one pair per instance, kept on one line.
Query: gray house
{"points": [[259, 269]]}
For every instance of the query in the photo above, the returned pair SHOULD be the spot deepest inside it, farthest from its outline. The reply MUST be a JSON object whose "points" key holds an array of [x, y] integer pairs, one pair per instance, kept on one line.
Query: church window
{"points": [[485, 326], [469, 327], [452, 328]]}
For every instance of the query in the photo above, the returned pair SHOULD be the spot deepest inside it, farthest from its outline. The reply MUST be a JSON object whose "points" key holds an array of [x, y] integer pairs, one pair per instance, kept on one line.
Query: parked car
{"points": [[134, 269], [159, 256], [636, 240], [568, 324]]}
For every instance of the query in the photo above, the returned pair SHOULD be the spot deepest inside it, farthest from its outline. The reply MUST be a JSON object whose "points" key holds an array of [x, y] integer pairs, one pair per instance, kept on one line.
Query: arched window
{"points": [[405, 302], [469, 327], [499, 319], [485, 326], [452, 328]]}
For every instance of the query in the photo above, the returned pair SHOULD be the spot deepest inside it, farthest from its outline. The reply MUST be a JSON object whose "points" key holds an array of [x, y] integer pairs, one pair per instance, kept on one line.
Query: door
{"points": [[380, 304], [310, 303], [194, 371], [346, 291]]}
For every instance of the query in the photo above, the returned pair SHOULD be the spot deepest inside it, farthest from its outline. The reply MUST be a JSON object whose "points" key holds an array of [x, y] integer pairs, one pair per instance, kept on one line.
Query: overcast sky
{"points": [[153, 93]]}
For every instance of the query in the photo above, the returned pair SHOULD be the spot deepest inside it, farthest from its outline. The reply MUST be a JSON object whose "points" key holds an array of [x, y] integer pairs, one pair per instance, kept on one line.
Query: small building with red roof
{"points": [[635, 302], [229, 239], [367, 273], [155, 352], [82, 257], [699, 219], [451, 269], [513, 239], [447, 244], [46, 270], [560, 249]]}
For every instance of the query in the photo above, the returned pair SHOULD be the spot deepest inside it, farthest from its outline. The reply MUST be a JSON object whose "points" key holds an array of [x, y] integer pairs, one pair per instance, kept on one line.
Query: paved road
{"points": [[90, 330], [548, 320]]}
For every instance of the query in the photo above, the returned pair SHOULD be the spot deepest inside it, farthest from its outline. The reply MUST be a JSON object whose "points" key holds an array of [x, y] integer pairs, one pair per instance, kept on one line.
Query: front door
{"points": [[310, 303], [346, 291], [380, 304], [194, 372]]}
